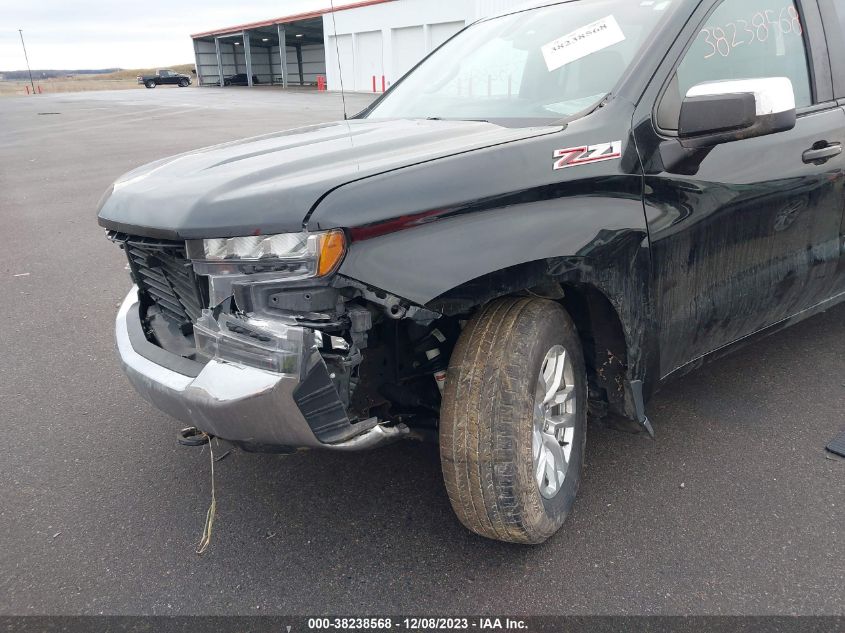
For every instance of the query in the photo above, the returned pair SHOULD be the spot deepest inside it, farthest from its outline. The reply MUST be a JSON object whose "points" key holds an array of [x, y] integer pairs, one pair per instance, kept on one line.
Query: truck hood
{"points": [[269, 184]]}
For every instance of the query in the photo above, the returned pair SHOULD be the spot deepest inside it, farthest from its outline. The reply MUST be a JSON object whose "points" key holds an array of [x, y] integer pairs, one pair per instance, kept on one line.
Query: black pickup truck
{"points": [[240, 79], [164, 78], [557, 212]]}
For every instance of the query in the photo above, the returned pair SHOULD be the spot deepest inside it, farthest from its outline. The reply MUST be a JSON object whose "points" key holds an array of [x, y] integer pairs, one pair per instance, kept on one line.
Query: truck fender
{"points": [[452, 265]]}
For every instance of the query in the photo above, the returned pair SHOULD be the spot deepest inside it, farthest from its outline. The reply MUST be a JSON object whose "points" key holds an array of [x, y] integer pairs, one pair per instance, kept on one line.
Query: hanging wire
{"points": [[205, 540]]}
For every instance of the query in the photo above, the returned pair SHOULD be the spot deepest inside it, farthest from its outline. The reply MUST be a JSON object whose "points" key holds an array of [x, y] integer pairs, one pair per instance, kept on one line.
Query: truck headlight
{"points": [[299, 255]]}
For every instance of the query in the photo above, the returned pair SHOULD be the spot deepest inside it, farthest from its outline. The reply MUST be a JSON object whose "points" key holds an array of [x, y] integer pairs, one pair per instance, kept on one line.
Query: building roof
{"points": [[286, 19]]}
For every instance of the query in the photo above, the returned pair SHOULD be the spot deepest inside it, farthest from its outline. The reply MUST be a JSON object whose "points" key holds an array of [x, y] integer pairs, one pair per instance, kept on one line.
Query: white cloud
{"points": [[119, 33]]}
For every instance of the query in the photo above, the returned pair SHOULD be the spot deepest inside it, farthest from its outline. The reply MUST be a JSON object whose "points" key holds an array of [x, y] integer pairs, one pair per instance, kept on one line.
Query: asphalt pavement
{"points": [[734, 509]]}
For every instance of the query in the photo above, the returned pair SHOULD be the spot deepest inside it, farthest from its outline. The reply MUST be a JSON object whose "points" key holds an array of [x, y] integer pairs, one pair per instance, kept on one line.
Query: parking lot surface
{"points": [[734, 509]]}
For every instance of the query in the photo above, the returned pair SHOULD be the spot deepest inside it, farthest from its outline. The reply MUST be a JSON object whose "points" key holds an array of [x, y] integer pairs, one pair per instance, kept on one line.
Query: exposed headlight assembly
{"points": [[270, 346], [287, 255]]}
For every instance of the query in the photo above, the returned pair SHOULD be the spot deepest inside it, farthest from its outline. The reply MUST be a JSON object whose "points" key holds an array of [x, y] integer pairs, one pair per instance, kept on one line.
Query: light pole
{"points": [[26, 57]]}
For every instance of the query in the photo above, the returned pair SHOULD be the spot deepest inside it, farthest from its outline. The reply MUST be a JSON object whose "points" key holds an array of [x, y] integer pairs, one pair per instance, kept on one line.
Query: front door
{"points": [[753, 236], [833, 16]]}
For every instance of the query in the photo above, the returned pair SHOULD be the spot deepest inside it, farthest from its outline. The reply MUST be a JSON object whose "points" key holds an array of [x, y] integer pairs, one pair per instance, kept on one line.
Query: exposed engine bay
{"points": [[384, 361]]}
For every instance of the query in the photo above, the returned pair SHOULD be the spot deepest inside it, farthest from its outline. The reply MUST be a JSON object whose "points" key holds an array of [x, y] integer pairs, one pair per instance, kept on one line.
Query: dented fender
{"points": [[500, 220]]}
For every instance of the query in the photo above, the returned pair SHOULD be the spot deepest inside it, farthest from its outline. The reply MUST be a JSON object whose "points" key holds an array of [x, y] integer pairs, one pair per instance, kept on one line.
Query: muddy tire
{"points": [[495, 400], [184, 83], [150, 85]]}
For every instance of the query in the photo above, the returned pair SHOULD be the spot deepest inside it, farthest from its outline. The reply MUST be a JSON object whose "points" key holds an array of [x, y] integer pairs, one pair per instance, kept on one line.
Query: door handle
{"points": [[819, 155]]}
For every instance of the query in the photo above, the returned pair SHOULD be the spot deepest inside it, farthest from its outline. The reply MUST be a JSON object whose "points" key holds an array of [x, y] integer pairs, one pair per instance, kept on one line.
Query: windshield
{"points": [[542, 63]]}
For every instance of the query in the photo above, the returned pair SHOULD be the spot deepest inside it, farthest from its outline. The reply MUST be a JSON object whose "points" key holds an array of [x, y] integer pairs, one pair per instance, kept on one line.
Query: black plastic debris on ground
{"points": [[837, 446]]}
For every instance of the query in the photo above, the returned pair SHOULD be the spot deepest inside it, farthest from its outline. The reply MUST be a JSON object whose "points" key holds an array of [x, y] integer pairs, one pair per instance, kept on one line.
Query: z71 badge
{"points": [[587, 154]]}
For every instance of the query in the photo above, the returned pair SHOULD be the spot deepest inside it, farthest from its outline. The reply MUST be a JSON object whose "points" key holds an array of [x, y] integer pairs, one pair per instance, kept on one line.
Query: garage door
{"points": [[347, 69], [443, 31], [408, 49], [369, 62]]}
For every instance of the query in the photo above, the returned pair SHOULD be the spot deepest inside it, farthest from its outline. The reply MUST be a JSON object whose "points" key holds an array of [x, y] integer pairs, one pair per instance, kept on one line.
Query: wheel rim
{"points": [[555, 416]]}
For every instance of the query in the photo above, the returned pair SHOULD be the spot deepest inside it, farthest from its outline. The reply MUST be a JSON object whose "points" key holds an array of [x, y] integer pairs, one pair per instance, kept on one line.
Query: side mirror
{"points": [[725, 111]]}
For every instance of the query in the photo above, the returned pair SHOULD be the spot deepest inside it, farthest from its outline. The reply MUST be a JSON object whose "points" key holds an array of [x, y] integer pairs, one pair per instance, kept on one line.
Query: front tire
{"points": [[513, 423], [150, 85], [184, 83]]}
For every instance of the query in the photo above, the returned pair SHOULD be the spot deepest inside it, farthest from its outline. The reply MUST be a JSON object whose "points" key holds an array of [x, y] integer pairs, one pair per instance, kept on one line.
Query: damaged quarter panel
{"points": [[411, 228], [423, 230], [455, 233]]}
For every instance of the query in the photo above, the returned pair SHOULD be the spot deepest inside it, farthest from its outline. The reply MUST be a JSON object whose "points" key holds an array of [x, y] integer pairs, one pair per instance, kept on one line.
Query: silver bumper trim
{"points": [[231, 401]]}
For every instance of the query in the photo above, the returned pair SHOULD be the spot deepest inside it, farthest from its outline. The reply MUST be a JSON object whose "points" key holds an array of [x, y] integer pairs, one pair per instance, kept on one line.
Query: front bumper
{"points": [[235, 402]]}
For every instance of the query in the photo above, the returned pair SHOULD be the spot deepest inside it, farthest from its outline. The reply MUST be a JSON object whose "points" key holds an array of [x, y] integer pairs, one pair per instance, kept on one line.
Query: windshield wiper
{"points": [[440, 118]]}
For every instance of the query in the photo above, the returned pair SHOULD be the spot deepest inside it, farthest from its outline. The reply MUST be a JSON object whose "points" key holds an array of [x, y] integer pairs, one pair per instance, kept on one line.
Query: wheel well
{"points": [[596, 319], [604, 344]]}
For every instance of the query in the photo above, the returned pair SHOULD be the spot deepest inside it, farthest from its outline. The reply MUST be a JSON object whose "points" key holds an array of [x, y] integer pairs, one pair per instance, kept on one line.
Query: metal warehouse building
{"points": [[377, 42]]}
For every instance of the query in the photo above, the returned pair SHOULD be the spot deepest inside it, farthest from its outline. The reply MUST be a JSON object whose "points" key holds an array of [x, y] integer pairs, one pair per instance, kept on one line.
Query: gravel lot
{"points": [[735, 509]]}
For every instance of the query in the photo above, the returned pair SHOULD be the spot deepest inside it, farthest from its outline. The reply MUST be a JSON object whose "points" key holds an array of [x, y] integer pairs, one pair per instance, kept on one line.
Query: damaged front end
{"points": [[257, 341]]}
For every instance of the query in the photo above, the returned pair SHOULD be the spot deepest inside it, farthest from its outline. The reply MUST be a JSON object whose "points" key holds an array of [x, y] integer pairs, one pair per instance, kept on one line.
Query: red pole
{"points": [[374, 83], [39, 88], [383, 84], [27, 89]]}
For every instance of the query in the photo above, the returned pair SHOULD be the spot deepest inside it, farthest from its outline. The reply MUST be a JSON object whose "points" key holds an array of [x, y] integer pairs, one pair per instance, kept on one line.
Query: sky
{"points": [[71, 34]]}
